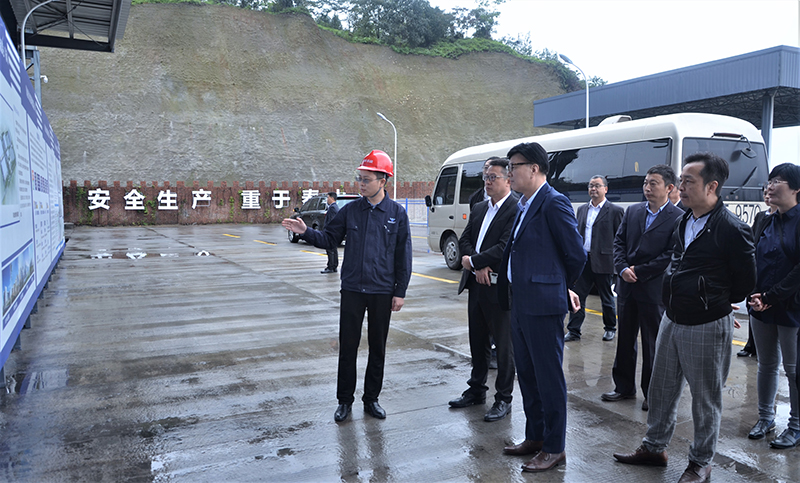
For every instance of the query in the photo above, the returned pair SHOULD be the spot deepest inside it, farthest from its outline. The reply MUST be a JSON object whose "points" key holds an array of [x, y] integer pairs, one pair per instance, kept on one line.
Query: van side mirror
{"points": [[428, 202]]}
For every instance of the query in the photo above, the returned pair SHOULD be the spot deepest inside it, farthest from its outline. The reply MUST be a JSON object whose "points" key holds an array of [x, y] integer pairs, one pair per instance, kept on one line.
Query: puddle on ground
{"points": [[132, 254], [24, 383]]}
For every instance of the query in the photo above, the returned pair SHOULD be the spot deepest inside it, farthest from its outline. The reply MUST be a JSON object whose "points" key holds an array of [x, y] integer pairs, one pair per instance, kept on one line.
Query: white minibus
{"points": [[620, 149]]}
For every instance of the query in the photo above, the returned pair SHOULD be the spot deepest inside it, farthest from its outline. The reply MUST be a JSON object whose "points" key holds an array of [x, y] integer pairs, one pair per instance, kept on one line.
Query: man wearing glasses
{"points": [[598, 221], [543, 258], [375, 275], [482, 243]]}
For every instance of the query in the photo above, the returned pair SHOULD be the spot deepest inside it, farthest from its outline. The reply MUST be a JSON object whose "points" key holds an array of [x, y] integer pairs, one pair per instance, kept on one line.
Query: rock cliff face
{"points": [[213, 93]]}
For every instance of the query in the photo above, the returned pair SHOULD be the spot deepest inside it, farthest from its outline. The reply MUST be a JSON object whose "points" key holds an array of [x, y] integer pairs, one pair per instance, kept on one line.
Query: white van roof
{"points": [[669, 126]]}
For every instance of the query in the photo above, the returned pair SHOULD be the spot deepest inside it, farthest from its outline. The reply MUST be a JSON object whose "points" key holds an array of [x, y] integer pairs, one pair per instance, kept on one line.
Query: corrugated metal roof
{"points": [[71, 24], [734, 86]]}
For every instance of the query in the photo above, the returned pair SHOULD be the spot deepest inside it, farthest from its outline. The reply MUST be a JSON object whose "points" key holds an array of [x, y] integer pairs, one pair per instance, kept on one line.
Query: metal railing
{"points": [[417, 211]]}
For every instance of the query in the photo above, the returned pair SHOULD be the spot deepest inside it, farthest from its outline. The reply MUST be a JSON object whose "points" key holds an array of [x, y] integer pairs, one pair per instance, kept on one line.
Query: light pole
{"points": [[585, 81], [395, 153], [22, 33]]}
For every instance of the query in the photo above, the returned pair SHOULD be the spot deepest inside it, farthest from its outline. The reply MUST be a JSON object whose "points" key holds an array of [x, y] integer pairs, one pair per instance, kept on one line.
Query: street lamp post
{"points": [[395, 153], [585, 81]]}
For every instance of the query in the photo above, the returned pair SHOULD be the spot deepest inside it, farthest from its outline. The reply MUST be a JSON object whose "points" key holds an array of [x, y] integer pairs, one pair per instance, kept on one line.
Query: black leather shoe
{"points": [[614, 396], [789, 438], [329, 270], [643, 456], [761, 429], [743, 353], [342, 412], [570, 337], [499, 410], [609, 335], [374, 409], [645, 406], [467, 399]]}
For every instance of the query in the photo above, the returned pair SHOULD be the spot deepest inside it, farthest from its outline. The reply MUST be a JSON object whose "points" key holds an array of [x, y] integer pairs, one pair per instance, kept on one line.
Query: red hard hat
{"points": [[378, 161]]}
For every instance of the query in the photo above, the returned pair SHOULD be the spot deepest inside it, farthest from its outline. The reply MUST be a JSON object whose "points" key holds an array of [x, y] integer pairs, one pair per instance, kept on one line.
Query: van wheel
{"points": [[452, 256], [293, 237]]}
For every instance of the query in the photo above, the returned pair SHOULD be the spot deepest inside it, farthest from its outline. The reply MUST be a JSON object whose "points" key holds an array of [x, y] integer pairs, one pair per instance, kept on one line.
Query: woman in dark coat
{"points": [[774, 313]]}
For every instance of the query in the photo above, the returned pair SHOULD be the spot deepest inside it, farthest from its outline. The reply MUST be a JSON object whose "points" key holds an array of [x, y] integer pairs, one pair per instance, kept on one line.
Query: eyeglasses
{"points": [[492, 177], [513, 166], [362, 180], [774, 182]]}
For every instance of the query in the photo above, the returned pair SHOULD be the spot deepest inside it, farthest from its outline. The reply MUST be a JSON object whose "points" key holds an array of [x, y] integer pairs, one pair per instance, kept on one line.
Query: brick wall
{"points": [[225, 205]]}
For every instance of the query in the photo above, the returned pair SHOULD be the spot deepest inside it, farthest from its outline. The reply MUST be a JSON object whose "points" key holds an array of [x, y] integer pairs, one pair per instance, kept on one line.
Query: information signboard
{"points": [[31, 206]]}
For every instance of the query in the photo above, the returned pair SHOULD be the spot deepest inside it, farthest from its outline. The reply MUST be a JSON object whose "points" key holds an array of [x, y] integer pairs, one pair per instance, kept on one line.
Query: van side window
{"points": [[445, 192], [624, 165], [747, 174], [471, 180]]}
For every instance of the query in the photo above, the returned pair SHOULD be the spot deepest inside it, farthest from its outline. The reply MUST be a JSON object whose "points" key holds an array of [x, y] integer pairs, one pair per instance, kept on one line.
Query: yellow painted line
{"points": [[434, 278], [594, 312], [232, 236], [265, 243], [315, 253], [420, 237], [739, 343]]}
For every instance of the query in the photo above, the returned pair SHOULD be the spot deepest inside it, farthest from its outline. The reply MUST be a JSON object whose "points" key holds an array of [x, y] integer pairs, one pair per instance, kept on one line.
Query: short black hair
{"points": [[788, 172], [333, 195], [714, 168], [600, 177], [502, 162], [666, 172], [534, 153]]}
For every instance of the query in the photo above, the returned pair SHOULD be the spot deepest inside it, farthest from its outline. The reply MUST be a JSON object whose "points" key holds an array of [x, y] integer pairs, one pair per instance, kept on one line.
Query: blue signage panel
{"points": [[31, 208]]}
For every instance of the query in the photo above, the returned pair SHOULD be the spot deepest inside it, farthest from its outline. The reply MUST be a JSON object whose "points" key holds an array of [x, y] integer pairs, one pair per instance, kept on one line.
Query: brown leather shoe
{"points": [[643, 457], [695, 473], [524, 448], [545, 461]]}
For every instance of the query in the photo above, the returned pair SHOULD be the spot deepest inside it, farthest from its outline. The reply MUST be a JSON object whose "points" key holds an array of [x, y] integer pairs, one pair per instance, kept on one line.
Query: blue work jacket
{"points": [[377, 255]]}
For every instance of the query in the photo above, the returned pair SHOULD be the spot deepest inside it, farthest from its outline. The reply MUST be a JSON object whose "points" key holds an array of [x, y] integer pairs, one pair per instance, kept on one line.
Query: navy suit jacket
{"points": [[649, 251], [547, 256], [333, 209], [604, 228]]}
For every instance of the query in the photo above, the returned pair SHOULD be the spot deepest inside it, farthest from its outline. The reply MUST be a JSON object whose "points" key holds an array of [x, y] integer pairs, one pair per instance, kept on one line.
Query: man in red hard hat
{"points": [[375, 274]]}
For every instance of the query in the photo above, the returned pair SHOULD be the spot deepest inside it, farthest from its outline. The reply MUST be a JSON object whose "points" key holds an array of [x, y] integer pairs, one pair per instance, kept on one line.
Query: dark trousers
{"points": [[584, 284], [487, 320], [333, 258], [633, 317], [351, 318], [539, 355]]}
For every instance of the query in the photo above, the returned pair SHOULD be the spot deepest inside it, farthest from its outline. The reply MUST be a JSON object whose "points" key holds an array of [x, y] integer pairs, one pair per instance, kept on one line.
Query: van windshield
{"points": [[747, 175]]}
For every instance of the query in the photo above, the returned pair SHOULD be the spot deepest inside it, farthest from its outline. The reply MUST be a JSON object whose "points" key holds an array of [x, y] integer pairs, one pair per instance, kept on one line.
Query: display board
{"points": [[31, 207]]}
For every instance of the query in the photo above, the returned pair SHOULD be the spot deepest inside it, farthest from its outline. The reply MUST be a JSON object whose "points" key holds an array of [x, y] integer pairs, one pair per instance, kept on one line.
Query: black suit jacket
{"points": [[477, 197], [604, 229], [649, 251], [494, 242]]}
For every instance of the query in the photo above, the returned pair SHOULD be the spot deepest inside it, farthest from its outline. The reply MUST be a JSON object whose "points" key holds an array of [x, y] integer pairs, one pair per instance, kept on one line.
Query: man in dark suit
{"points": [[482, 243], [642, 249], [481, 194], [543, 258], [333, 253], [598, 221]]}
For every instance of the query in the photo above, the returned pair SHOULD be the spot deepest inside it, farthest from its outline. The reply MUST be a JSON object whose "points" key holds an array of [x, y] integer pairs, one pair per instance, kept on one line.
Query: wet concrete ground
{"points": [[174, 366]]}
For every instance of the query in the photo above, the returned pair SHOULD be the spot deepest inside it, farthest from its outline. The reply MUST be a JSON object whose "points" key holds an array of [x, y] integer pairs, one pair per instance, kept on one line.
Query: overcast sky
{"points": [[623, 39]]}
